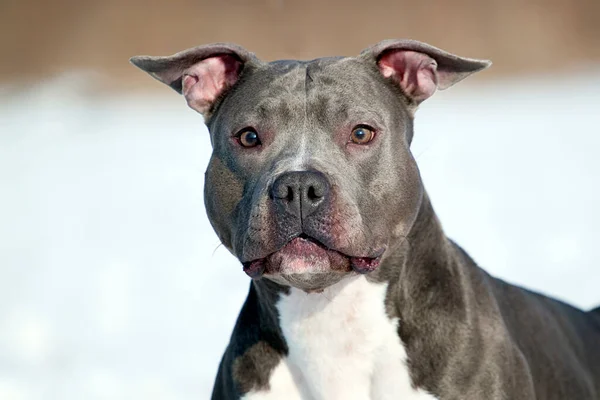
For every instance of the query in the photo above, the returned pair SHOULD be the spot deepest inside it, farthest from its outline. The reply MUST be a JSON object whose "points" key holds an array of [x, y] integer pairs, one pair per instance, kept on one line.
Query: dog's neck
{"points": [[424, 247], [425, 269], [434, 299]]}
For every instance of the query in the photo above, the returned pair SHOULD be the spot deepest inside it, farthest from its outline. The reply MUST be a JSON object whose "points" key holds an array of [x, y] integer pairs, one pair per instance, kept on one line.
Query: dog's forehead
{"points": [[323, 71], [284, 66], [285, 91]]}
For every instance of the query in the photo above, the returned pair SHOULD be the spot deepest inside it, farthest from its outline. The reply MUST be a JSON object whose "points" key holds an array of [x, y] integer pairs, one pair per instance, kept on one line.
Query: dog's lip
{"points": [[256, 268], [360, 264]]}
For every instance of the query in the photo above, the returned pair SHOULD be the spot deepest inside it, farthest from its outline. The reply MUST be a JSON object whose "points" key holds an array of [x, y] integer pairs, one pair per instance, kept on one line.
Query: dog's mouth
{"points": [[304, 254]]}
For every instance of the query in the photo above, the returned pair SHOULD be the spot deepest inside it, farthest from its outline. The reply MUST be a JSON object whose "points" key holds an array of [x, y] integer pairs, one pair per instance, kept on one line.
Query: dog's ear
{"points": [[418, 68], [202, 74]]}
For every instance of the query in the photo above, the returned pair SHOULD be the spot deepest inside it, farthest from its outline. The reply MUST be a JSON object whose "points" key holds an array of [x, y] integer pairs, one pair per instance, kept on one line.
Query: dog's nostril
{"points": [[283, 191], [314, 193]]}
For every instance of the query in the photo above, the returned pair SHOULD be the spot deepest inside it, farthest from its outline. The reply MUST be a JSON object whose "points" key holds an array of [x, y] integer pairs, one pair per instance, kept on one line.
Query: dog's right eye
{"points": [[362, 134], [248, 138]]}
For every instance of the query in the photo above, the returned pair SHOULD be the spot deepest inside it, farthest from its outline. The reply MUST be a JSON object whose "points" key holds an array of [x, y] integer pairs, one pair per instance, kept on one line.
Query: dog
{"points": [[356, 292]]}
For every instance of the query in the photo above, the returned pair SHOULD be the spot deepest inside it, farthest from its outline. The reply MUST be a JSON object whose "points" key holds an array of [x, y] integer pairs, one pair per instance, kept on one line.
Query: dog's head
{"points": [[311, 177]]}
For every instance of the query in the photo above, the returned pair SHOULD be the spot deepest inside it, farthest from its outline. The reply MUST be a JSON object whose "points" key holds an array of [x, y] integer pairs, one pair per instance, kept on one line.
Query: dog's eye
{"points": [[362, 134], [248, 137]]}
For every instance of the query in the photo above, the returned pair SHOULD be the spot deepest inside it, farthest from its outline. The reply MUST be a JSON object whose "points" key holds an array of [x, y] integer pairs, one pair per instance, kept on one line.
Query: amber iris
{"points": [[248, 138], [361, 135]]}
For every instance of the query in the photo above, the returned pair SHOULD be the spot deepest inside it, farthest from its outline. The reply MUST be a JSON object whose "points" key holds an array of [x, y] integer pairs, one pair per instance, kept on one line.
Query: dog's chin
{"points": [[308, 265], [310, 282]]}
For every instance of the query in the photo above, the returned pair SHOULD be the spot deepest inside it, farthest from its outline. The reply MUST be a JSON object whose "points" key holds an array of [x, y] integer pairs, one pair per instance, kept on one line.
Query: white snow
{"points": [[112, 283]]}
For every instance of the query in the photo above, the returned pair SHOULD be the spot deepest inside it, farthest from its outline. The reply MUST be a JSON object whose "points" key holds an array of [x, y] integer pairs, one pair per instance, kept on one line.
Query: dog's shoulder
{"points": [[255, 349]]}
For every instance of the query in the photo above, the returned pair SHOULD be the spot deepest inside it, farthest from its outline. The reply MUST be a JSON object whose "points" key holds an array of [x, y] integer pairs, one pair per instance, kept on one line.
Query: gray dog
{"points": [[356, 292]]}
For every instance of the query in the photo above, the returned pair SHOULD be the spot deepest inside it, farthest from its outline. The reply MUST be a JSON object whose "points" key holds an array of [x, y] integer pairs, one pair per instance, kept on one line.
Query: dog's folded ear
{"points": [[418, 68], [202, 74]]}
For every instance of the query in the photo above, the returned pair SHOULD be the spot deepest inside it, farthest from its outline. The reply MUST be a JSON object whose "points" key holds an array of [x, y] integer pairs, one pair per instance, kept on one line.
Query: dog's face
{"points": [[320, 170], [311, 177]]}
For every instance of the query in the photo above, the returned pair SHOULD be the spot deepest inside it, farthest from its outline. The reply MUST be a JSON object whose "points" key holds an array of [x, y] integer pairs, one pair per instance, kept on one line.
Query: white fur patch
{"points": [[342, 346]]}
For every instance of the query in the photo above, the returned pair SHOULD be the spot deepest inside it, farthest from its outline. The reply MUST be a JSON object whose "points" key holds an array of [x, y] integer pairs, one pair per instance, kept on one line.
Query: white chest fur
{"points": [[342, 345]]}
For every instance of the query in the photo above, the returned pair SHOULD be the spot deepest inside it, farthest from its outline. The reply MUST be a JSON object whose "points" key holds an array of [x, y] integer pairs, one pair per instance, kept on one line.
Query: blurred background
{"points": [[112, 282]]}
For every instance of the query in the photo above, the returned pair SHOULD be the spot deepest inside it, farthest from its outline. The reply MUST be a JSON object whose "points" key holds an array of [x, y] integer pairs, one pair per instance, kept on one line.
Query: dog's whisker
{"points": [[216, 248]]}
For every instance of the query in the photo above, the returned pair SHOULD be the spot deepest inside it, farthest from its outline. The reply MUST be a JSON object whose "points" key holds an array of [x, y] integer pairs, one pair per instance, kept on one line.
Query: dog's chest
{"points": [[342, 345]]}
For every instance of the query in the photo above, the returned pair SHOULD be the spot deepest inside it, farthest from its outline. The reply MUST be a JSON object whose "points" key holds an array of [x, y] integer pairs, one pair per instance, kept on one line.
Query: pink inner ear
{"points": [[205, 81], [414, 72]]}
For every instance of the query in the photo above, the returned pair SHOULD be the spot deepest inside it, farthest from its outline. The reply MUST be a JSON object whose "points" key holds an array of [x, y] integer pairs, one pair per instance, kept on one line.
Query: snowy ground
{"points": [[112, 284]]}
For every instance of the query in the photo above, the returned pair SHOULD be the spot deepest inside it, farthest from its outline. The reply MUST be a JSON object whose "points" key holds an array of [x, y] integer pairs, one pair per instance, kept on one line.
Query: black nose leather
{"points": [[300, 193]]}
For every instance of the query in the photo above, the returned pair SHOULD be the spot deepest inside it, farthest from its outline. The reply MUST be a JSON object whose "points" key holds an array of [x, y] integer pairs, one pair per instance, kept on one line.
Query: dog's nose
{"points": [[300, 193]]}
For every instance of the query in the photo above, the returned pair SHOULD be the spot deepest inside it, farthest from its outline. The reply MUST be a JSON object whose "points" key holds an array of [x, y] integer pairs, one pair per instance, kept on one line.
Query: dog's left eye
{"points": [[362, 134], [248, 137]]}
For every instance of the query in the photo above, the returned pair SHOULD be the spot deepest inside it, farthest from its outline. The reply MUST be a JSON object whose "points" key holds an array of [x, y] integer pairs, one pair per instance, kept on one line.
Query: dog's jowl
{"points": [[356, 293]]}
